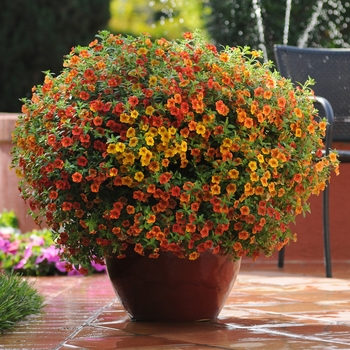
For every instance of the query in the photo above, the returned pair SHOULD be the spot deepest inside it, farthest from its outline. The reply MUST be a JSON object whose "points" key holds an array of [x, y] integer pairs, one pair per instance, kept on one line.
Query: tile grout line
{"points": [[261, 329], [87, 322]]}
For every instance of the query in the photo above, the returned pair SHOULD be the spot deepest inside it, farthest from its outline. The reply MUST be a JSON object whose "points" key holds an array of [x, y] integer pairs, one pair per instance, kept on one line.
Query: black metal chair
{"points": [[330, 68]]}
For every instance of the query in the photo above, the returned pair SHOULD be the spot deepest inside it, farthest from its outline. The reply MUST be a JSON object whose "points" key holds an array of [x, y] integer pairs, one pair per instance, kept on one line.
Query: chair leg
{"points": [[326, 235], [281, 258]]}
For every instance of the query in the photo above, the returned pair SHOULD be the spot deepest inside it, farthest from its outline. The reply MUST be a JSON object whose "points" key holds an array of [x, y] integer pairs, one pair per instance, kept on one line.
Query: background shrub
{"points": [[234, 23], [34, 36]]}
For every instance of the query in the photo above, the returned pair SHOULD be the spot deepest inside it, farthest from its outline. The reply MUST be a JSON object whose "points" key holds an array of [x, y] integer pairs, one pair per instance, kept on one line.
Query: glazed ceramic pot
{"points": [[172, 289]]}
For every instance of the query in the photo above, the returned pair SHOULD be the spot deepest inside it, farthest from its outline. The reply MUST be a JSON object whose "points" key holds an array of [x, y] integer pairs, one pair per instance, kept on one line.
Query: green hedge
{"points": [[34, 37]]}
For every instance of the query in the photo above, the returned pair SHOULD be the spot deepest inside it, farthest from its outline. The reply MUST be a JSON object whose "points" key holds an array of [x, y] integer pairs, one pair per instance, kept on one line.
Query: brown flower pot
{"points": [[172, 289]]}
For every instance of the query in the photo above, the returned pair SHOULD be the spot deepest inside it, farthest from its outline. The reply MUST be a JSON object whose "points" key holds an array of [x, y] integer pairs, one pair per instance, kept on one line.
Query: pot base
{"points": [[172, 289]]}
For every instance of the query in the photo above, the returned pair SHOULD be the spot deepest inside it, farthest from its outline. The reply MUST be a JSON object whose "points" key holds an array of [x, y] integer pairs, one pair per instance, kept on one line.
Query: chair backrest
{"points": [[330, 68]]}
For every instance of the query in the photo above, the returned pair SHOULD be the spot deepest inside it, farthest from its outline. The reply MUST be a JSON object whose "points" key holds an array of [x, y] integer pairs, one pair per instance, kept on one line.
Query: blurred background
{"points": [[36, 34]]}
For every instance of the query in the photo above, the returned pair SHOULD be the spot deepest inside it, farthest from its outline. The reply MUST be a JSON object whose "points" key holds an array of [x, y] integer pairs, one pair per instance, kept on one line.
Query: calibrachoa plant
{"points": [[169, 147]]}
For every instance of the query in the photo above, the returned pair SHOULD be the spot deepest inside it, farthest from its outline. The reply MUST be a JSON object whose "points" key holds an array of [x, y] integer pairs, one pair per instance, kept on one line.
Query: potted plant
{"points": [[156, 148]]}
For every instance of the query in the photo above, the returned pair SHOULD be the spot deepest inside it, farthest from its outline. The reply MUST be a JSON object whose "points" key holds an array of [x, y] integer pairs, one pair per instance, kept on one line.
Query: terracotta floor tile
{"points": [[160, 328], [99, 332], [127, 342], [268, 308], [141, 346], [241, 337]]}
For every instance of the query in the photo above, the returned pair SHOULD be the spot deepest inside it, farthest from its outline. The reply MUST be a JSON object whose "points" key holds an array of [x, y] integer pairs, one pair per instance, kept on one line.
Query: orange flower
{"points": [[319, 166], [175, 191], [237, 246], [233, 174], [216, 179], [248, 123], [188, 185], [298, 132], [151, 219], [195, 206], [273, 162], [193, 256], [66, 206], [222, 108], [139, 249], [281, 102], [333, 157], [258, 91], [252, 165], [243, 235], [77, 177], [139, 176], [151, 188], [177, 98], [244, 210], [224, 57], [133, 101], [165, 162], [267, 94], [79, 213], [130, 209], [254, 177], [67, 142], [241, 115], [259, 190], [231, 188], [267, 110], [192, 125], [113, 172], [165, 177], [53, 195], [114, 213], [82, 161], [84, 95], [97, 121], [191, 228], [127, 181], [184, 197], [299, 113], [215, 189], [51, 140], [200, 129], [311, 128], [95, 188], [323, 125], [297, 178], [281, 192]]}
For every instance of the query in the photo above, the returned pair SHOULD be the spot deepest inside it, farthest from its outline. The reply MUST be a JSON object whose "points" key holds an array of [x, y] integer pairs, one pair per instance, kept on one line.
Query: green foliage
{"points": [[234, 23], [21, 252], [34, 35], [169, 19], [18, 299], [8, 219], [32, 253]]}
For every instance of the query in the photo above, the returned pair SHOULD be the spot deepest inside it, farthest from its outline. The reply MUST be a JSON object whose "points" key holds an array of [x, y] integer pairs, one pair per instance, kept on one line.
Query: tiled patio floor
{"points": [[294, 308]]}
